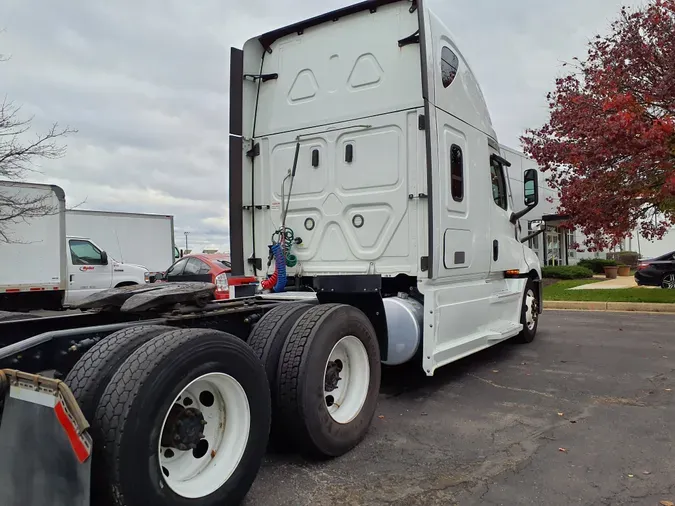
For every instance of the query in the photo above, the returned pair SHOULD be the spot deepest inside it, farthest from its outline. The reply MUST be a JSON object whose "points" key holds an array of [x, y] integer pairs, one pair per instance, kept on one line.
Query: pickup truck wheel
{"points": [[529, 314], [186, 421], [329, 380], [267, 340]]}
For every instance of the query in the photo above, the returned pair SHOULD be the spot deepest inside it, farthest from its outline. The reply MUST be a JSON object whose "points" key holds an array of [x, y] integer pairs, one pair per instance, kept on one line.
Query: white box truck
{"points": [[41, 265], [364, 168], [130, 238]]}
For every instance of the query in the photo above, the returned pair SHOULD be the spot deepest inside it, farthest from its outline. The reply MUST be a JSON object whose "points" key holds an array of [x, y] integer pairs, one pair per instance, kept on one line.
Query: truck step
{"points": [[503, 329]]}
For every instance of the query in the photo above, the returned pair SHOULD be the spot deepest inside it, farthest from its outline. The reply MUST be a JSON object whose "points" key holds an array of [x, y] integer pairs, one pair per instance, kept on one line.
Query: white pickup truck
{"points": [[43, 268]]}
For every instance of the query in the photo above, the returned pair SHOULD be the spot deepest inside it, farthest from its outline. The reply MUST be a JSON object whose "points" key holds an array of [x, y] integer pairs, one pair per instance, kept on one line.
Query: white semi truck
{"points": [[42, 264], [371, 222]]}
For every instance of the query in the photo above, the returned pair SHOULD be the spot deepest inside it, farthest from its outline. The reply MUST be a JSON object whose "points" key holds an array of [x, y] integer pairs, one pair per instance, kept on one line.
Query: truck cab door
{"points": [[506, 251], [89, 270]]}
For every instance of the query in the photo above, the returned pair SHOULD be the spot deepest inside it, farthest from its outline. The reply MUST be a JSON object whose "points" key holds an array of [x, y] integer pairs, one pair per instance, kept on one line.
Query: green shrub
{"points": [[597, 265], [625, 257], [567, 272]]}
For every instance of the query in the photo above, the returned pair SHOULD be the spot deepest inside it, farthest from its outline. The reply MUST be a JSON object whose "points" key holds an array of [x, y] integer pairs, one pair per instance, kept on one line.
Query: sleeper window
{"points": [[449, 66], [456, 173]]}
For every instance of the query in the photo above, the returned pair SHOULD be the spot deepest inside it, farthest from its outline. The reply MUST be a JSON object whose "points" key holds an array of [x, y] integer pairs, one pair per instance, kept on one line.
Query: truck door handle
{"points": [[71, 278], [495, 250]]}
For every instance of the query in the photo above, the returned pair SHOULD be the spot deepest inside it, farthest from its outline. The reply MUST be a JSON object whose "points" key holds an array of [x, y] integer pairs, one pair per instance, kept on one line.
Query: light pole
{"points": [[186, 240]]}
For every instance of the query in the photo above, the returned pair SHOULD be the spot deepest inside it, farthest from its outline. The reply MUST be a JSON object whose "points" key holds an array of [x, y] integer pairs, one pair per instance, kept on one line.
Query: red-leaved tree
{"points": [[608, 147]]}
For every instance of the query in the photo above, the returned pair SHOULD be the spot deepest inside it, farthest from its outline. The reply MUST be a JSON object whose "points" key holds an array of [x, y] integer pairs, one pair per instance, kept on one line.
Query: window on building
{"points": [[456, 173], [498, 185], [449, 66], [534, 242], [571, 242]]}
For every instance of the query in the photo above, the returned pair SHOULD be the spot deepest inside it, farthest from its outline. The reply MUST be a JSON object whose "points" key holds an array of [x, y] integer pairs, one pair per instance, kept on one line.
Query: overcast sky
{"points": [[146, 86]]}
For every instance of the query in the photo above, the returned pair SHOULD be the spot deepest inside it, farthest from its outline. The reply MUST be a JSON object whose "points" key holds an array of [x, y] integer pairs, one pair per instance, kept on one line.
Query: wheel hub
{"points": [[332, 378], [184, 428]]}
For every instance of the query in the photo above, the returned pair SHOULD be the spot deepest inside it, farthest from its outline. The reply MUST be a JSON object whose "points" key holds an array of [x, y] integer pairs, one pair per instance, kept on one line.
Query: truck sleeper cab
{"points": [[370, 198], [367, 132]]}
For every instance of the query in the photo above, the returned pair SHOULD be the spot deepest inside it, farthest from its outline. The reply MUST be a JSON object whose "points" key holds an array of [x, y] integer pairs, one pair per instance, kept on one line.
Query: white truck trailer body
{"points": [[32, 250], [131, 238], [43, 266]]}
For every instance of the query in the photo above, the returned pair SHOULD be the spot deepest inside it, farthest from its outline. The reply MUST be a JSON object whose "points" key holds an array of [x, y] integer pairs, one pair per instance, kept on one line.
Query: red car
{"points": [[202, 267]]}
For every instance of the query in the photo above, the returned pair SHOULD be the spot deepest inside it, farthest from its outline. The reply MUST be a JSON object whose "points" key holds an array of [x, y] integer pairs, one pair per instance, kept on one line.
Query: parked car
{"points": [[658, 271], [201, 267]]}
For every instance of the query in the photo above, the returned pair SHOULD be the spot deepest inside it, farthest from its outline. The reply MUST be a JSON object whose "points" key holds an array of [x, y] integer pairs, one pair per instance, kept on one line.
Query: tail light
{"points": [[642, 266], [222, 286]]}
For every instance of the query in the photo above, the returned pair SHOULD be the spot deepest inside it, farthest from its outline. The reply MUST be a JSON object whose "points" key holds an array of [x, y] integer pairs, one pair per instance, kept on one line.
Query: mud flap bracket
{"points": [[44, 442]]}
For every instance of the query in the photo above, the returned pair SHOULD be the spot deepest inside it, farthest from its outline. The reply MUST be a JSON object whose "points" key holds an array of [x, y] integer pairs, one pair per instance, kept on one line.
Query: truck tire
{"points": [[329, 344], [158, 450], [91, 374], [267, 340], [529, 315]]}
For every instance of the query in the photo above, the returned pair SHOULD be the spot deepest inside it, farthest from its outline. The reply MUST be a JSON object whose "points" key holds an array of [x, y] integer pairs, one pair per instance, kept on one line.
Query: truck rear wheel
{"points": [[329, 380], [267, 340], [91, 374], [186, 421]]}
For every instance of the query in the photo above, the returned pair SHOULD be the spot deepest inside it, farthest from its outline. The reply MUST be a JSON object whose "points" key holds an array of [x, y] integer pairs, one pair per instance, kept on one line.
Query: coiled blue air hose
{"points": [[280, 267]]}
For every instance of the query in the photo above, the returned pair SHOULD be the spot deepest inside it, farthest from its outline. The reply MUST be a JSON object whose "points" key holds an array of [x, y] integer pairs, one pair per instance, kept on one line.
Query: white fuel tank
{"points": [[405, 317]]}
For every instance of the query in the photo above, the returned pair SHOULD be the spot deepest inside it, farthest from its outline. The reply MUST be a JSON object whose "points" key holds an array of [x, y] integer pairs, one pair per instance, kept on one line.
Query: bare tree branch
{"points": [[19, 152]]}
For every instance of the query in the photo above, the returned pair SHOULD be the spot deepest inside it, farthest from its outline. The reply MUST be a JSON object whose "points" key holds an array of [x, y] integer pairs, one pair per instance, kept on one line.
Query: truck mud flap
{"points": [[44, 444]]}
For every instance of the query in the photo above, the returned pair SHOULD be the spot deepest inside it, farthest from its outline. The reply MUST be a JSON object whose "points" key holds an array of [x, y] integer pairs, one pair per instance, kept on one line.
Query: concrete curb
{"points": [[645, 307]]}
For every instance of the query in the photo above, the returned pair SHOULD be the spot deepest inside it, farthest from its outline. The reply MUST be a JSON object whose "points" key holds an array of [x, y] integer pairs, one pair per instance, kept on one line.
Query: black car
{"points": [[658, 271]]}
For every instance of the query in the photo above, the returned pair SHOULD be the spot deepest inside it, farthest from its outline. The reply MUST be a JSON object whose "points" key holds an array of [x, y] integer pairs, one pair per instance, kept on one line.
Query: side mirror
{"points": [[530, 194], [531, 187], [104, 258]]}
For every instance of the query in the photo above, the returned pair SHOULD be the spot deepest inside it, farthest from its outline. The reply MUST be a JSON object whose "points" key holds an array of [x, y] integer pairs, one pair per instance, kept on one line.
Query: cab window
{"points": [[85, 253], [498, 185]]}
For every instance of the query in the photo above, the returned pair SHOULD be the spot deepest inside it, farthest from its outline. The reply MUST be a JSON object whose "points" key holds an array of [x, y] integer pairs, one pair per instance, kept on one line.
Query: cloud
{"points": [[146, 86]]}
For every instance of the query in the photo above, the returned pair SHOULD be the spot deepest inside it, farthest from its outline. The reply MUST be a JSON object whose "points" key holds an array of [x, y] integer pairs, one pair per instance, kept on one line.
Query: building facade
{"points": [[555, 246]]}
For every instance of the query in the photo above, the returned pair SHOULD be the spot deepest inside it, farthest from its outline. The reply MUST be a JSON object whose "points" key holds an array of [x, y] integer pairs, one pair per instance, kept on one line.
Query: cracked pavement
{"points": [[489, 428]]}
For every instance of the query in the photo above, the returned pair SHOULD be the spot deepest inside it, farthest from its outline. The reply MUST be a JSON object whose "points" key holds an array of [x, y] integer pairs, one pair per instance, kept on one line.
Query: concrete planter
{"points": [[611, 272], [624, 270]]}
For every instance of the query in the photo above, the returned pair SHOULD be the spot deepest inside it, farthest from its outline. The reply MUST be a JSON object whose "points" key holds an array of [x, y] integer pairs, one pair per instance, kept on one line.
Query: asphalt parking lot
{"points": [[582, 416]]}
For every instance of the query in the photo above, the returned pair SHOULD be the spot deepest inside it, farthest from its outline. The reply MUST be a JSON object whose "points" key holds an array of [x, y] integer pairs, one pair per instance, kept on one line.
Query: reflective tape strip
{"points": [[81, 451], [32, 396], [31, 289]]}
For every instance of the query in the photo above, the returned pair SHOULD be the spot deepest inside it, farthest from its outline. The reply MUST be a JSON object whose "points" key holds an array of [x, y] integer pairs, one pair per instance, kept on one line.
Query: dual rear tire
{"points": [[179, 416], [183, 416], [323, 366]]}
